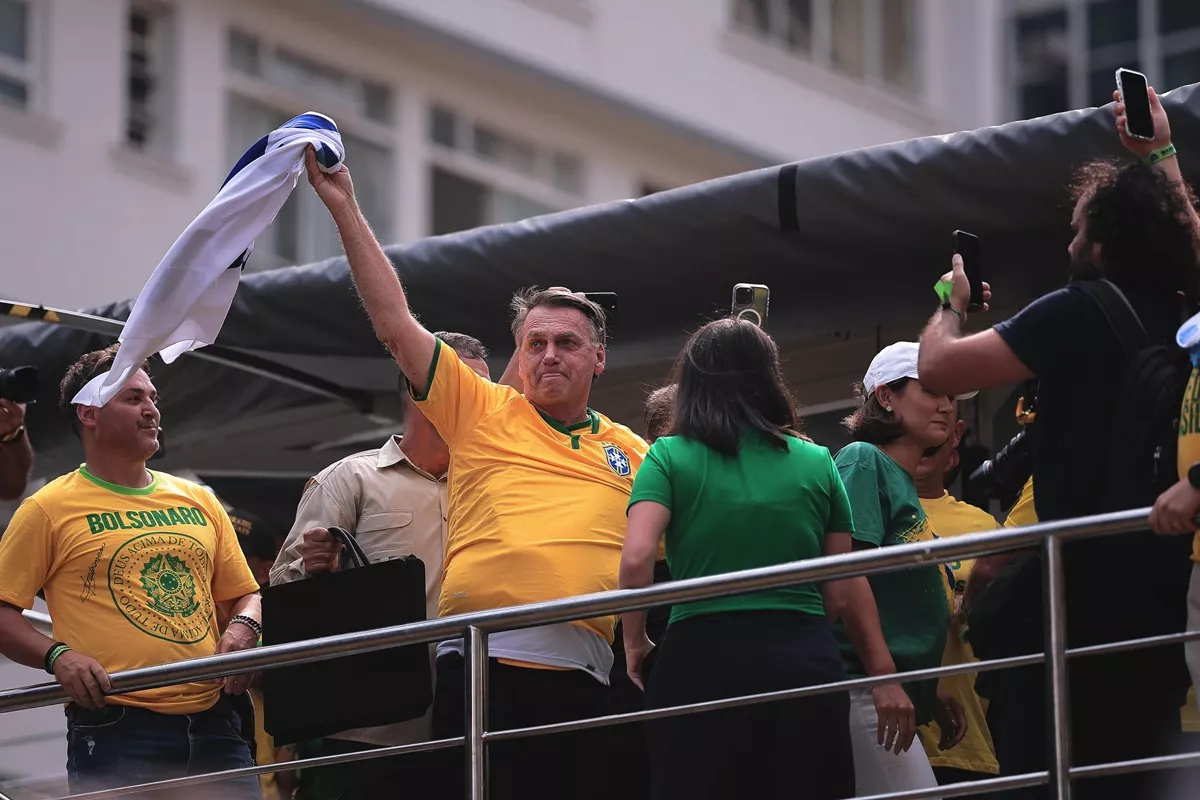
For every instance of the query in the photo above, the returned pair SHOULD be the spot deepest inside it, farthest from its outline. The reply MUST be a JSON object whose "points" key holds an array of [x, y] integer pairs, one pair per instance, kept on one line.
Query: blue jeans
{"points": [[124, 746]]}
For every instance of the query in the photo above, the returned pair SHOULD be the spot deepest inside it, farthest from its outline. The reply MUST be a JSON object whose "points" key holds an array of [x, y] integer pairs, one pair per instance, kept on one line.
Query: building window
{"points": [[1052, 76], [1042, 63], [269, 86], [868, 40], [148, 98], [16, 53], [482, 175]]}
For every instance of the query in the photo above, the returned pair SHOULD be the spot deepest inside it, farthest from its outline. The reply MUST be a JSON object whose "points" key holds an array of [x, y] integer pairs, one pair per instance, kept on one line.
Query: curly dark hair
{"points": [[78, 374], [1142, 223]]}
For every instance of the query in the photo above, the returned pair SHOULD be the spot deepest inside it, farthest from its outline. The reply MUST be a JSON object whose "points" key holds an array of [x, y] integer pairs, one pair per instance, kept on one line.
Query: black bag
{"points": [[1144, 438], [310, 701]]}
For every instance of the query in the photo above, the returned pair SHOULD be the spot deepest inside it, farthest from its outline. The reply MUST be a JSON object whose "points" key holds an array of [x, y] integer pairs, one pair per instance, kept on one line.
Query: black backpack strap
{"points": [[1120, 315]]}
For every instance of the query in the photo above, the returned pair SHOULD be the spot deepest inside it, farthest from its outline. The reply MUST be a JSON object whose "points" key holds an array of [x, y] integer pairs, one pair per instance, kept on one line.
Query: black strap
{"points": [[1120, 315], [357, 557]]}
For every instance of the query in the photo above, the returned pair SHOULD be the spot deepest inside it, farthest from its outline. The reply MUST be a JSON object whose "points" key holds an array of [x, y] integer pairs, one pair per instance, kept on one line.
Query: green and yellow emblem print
{"points": [[157, 582], [170, 587]]}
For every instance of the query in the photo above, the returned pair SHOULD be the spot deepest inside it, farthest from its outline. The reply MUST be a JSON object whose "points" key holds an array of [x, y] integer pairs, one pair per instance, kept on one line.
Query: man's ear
{"points": [[600, 359], [956, 435], [86, 415]]}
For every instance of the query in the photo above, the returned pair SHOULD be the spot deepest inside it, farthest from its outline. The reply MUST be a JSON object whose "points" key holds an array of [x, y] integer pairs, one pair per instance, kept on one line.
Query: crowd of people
{"points": [[516, 491]]}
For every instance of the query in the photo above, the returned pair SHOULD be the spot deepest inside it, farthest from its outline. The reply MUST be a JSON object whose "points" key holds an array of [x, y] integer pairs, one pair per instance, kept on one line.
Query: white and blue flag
{"points": [[184, 304]]}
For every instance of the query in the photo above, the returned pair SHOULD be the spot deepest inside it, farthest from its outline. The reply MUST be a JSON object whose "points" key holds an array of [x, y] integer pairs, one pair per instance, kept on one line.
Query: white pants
{"points": [[879, 771], [1192, 649]]}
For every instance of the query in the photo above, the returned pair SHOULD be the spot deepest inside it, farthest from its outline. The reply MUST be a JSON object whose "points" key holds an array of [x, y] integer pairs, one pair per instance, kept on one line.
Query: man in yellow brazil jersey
{"points": [[135, 565], [538, 485], [973, 758]]}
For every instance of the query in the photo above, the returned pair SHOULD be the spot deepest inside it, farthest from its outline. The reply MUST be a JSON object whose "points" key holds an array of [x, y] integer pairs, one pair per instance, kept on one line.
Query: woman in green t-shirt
{"points": [[896, 424], [735, 488]]}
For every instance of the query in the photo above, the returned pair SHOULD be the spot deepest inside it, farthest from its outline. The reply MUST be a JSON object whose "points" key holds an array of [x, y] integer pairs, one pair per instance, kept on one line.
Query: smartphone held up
{"points": [[750, 302], [1134, 92], [966, 245]]}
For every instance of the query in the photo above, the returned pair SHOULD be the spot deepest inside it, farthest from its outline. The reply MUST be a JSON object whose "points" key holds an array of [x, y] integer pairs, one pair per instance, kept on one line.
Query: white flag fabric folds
{"points": [[184, 304]]}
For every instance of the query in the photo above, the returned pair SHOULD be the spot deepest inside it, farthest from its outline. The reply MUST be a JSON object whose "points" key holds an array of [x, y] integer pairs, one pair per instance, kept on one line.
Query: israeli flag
{"points": [[184, 304]]}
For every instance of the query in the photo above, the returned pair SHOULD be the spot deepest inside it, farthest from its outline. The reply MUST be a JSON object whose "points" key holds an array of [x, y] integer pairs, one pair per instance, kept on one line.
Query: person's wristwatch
{"points": [[13, 436]]}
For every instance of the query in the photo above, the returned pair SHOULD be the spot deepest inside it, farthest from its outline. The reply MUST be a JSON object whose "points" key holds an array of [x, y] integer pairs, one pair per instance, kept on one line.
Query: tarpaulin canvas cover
{"points": [[851, 239]]}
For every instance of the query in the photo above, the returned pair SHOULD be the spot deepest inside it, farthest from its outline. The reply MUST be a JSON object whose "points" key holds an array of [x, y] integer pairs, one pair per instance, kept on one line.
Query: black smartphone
{"points": [[750, 302], [967, 246], [1135, 95], [608, 302]]}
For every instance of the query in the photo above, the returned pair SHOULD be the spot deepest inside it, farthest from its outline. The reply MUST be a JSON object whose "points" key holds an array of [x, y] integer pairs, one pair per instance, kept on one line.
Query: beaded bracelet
{"points": [[251, 623]]}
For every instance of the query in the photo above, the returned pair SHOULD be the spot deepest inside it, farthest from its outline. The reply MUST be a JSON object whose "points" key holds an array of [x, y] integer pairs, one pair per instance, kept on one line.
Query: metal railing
{"points": [[476, 627]]}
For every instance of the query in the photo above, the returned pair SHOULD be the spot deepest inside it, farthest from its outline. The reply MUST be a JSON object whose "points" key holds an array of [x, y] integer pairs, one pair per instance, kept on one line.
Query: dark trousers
{"points": [[771, 750], [412, 775], [551, 767], [1119, 712], [120, 746]]}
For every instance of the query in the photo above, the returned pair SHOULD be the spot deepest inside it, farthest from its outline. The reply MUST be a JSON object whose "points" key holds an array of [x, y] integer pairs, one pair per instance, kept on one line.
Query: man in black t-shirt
{"points": [[1135, 227]]}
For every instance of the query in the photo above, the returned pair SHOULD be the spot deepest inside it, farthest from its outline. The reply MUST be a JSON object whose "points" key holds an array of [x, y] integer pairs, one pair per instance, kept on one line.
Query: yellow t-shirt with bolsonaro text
{"points": [[131, 576]]}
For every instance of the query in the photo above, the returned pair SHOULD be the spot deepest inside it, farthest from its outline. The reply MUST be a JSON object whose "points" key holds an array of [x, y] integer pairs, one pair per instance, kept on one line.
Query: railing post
{"points": [[476, 688], [1056, 660]]}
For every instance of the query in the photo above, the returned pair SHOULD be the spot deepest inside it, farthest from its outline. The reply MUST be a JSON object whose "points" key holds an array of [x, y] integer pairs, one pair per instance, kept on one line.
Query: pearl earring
{"points": [[888, 409]]}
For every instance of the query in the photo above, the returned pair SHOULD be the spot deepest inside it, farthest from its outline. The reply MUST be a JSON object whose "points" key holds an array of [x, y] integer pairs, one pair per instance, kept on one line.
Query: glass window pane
{"points": [[509, 207], [13, 93], [1181, 69], [372, 168], [302, 73], [753, 15], [244, 55], [799, 25], [517, 155], [377, 102], [848, 26], [568, 173], [899, 44], [1040, 99], [1112, 22], [1042, 51], [1178, 15], [14, 29], [457, 203], [1102, 82], [443, 127]]}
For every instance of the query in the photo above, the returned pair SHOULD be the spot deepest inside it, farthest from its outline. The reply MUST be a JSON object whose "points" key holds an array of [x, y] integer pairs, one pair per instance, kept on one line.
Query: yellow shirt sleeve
{"points": [[456, 398], [1023, 511], [232, 577], [26, 554]]}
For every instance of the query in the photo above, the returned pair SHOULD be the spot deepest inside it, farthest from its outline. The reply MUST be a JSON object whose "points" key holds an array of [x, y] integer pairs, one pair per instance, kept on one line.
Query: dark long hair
{"points": [[729, 381]]}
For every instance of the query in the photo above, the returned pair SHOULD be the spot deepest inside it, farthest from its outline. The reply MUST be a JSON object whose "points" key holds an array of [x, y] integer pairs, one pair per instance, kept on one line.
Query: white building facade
{"points": [[120, 118]]}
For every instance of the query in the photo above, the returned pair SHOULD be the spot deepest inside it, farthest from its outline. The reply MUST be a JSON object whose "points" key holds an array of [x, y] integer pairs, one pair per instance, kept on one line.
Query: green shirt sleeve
{"points": [[653, 480], [859, 470], [841, 518]]}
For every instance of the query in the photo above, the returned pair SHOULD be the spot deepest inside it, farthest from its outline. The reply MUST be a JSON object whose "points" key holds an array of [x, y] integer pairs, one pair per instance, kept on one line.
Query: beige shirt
{"points": [[394, 510]]}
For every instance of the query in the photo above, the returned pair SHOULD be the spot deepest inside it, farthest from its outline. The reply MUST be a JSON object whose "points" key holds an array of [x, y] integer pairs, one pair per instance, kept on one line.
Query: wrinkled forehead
{"points": [[139, 383], [550, 322]]}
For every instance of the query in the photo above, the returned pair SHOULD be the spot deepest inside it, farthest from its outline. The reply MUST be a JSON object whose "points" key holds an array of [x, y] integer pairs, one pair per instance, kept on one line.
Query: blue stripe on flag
{"points": [[312, 121], [256, 150]]}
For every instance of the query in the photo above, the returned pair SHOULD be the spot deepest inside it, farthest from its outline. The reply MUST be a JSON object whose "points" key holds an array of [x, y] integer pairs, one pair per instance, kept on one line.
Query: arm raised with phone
{"points": [[374, 277]]}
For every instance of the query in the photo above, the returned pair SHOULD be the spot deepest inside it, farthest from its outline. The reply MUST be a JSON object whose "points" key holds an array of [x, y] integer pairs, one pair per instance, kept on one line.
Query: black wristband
{"points": [[56, 650], [1193, 476]]}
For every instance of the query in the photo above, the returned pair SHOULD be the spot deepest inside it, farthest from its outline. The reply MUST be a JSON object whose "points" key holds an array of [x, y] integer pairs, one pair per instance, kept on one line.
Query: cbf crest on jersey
{"points": [[617, 460]]}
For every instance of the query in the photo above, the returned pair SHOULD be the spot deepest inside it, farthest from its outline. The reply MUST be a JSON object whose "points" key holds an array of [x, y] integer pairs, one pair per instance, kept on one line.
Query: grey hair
{"points": [[528, 299]]}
